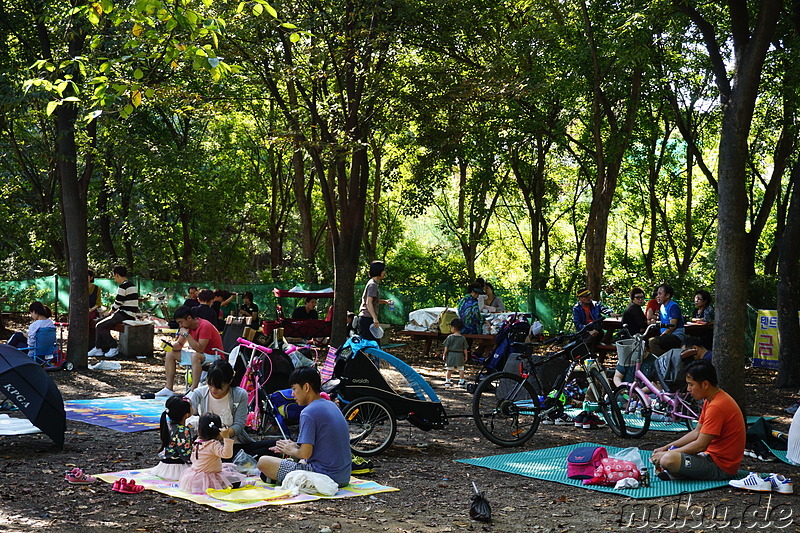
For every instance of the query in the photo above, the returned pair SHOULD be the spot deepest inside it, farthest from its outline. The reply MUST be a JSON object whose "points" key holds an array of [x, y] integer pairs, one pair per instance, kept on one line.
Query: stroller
{"points": [[376, 390], [515, 329]]}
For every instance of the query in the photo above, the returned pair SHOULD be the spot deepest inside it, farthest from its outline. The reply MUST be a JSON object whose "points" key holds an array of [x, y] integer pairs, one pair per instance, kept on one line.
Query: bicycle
{"points": [[508, 407], [160, 301], [638, 406]]}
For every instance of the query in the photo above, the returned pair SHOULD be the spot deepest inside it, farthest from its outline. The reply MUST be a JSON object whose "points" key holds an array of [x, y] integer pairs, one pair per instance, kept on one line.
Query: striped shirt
{"points": [[127, 299]]}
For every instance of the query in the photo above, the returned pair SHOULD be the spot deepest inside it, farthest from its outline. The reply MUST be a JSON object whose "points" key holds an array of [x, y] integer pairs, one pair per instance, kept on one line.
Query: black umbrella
{"points": [[33, 391]]}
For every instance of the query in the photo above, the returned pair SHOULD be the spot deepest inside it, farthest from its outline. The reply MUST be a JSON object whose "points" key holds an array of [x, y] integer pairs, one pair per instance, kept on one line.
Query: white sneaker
{"points": [[95, 352], [113, 352], [165, 392], [780, 484], [752, 482]]}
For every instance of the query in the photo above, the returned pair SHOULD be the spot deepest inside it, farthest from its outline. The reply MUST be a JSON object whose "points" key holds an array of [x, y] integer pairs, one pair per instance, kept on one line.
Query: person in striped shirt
{"points": [[125, 307]]}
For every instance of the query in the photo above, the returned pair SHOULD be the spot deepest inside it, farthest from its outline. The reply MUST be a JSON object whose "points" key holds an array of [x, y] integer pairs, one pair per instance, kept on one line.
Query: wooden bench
{"points": [[479, 346]]}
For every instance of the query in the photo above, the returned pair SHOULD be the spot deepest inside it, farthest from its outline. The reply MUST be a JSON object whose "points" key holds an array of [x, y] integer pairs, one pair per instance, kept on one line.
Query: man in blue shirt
{"points": [[586, 312], [672, 331], [324, 440], [469, 311]]}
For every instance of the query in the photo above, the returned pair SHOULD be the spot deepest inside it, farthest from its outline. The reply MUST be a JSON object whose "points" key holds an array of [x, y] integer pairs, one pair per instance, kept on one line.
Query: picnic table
{"points": [[481, 341]]}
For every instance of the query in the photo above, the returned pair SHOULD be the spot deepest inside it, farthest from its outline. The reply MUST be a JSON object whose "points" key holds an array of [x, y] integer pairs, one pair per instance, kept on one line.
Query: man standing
{"points": [[672, 332], [714, 449], [202, 337], [125, 307], [308, 311]]}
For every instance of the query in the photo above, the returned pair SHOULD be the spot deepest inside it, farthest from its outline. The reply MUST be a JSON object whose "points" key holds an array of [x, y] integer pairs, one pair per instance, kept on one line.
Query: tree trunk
{"points": [[74, 213], [789, 294], [104, 222], [731, 275]]}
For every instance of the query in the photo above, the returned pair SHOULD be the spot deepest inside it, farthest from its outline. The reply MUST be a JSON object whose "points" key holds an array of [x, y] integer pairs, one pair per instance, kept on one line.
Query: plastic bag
{"points": [[630, 454], [246, 463], [480, 509]]}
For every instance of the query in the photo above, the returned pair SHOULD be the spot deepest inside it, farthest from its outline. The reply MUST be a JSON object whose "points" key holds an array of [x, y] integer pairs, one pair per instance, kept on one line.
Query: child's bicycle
{"points": [[641, 398], [508, 407]]}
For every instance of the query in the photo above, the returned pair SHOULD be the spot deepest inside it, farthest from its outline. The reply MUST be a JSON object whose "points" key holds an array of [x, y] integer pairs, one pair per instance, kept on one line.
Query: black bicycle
{"points": [[507, 407]]}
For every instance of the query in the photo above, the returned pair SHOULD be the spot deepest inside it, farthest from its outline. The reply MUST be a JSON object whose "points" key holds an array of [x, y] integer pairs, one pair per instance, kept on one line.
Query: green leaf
{"points": [[51, 106], [105, 67], [93, 17], [150, 92], [288, 25], [138, 74], [294, 37], [240, 8], [128, 109], [258, 9], [271, 10]]}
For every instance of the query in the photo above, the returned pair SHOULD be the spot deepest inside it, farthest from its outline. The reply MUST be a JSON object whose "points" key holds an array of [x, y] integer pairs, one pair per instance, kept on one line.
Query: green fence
{"points": [[554, 309]]}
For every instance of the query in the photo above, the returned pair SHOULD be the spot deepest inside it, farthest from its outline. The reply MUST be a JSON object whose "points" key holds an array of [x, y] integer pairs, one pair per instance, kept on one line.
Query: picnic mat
{"points": [[122, 413], [780, 454], [18, 426], [550, 464], [636, 422], [240, 499]]}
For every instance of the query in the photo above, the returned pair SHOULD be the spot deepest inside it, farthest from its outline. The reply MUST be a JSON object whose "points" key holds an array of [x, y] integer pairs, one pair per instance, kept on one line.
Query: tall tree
{"points": [[751, 34]]}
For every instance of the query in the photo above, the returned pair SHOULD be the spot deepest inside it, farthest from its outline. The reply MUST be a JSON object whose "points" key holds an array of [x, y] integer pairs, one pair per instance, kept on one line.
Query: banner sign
{"points": [[766, 345]]}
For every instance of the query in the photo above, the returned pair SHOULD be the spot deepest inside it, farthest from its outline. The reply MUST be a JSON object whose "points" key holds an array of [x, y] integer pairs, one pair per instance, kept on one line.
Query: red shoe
{"points": [[127, 486], [77, 477]]}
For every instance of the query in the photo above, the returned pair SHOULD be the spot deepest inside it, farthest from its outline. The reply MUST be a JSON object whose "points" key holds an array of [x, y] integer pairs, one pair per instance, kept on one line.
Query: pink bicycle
{"points": [[641, 399]]}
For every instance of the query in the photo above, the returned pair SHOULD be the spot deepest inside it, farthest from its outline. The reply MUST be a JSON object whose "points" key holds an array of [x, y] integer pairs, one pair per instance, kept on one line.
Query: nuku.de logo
{"points": [[21, 400]]}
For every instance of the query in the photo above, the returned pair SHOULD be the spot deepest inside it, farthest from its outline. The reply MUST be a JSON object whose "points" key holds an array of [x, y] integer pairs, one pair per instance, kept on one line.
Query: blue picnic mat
{"points": [[550, 464], [635, 421], [123, 413]]}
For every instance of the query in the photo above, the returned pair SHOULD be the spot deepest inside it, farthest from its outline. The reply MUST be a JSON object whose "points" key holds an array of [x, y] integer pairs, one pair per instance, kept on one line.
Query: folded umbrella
{"points": [[33, 391]]}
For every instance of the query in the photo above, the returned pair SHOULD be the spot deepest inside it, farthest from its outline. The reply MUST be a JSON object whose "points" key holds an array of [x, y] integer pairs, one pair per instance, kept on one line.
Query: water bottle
{"points": [[541, 400], [391, 305]]}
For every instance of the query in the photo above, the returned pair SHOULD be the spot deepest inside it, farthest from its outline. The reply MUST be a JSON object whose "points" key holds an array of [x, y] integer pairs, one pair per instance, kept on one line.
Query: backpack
{"points": [[582, 463], [612, 470], [445, 318]]}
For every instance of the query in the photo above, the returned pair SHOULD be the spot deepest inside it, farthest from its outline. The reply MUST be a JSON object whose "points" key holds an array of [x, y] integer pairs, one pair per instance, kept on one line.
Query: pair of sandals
{"points": [[127, 486]]}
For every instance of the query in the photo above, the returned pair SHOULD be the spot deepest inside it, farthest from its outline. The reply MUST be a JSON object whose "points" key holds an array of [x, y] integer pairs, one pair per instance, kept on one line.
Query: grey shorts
{"points": [[287, 465], [702, 467]]}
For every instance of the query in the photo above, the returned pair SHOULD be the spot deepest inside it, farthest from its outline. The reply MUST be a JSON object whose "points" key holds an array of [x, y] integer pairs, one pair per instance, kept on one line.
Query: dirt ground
{"points": [[434, 490]]}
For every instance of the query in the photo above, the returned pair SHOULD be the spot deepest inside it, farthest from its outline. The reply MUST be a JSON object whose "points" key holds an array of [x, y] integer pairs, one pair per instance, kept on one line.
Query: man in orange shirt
{"points": [[714, 449]]}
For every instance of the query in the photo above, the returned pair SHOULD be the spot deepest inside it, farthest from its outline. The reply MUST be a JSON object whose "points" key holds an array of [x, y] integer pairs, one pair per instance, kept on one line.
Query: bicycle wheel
{"points": [[608, 407], [692, 404], [634, 409], [372, 426], [506, 409]]}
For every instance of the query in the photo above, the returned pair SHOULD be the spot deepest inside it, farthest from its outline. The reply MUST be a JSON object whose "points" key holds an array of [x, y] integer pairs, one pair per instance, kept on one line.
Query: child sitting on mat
{"points": [[207, 470], [176, 439]]}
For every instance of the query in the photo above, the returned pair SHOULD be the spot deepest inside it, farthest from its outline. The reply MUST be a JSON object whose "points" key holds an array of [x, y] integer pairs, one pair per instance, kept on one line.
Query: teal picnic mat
{"points": [[127, 414], [781, 454], [550, 464], [634, 421]]}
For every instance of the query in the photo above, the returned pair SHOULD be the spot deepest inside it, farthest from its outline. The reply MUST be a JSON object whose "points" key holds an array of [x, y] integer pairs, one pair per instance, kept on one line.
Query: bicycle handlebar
{"points": [[253, 346]]}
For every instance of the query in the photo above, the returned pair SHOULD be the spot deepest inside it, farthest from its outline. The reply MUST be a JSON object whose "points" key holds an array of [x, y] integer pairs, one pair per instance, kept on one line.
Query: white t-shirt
{"points": [[35, 326], [222, 408]]}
